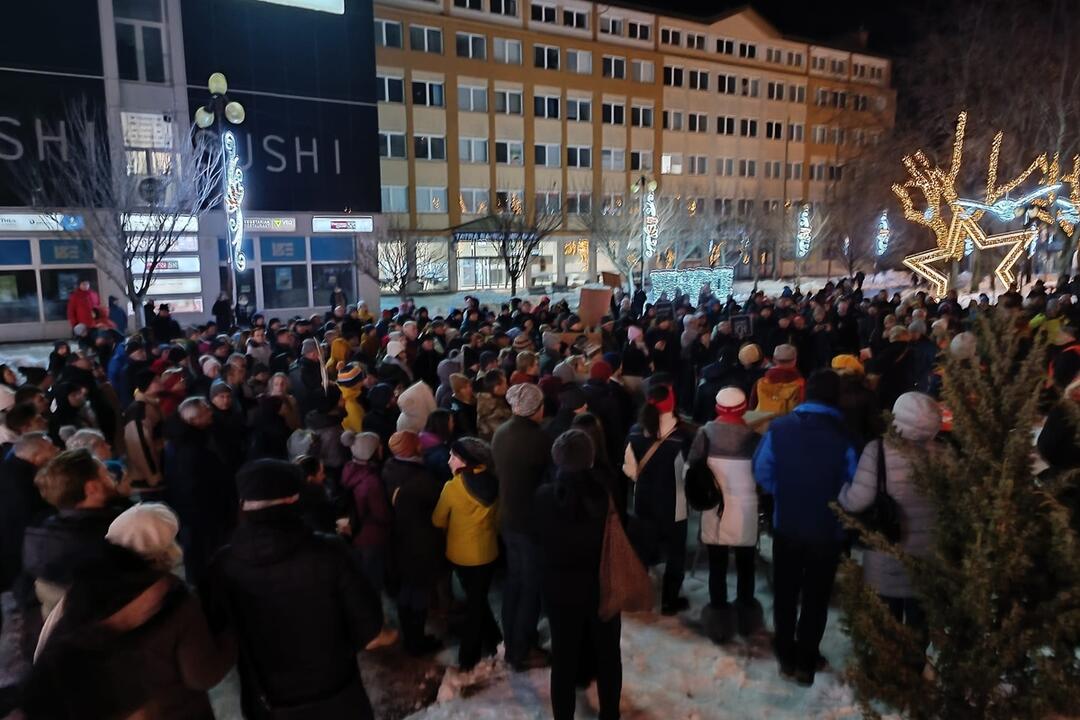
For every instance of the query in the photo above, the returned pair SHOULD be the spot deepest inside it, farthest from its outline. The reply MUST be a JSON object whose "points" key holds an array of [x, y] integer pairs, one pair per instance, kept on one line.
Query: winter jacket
{"points": [[143, 443], [464, 417], [306, 384], [803, 461], [884, 573], [118, 375], [491, 412], [21, 506], [301, 609], [81, 306], [611, 405], [380, 416], [354, 408], [467, 510], [59, 547], [1057, 442], [436, 456], [522, 453], [419, 546], [371, 511], [230, 437], [570, 514], [779, 391], [730, 458], [416, 402], [426, 367], [659, 492]]}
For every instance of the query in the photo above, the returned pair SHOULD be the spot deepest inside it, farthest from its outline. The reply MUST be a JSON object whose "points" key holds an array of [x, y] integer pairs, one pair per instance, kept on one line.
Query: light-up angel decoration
{"points": [[955, 220]]}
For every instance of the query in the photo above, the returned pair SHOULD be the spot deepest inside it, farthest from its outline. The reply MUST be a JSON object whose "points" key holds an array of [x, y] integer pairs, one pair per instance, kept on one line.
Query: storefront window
{"points": [[542, 266], [434, 272], [245, 282], [576, 257], [324, 278], [285, 286], [479, 266], [56, 286], [18, 296]]}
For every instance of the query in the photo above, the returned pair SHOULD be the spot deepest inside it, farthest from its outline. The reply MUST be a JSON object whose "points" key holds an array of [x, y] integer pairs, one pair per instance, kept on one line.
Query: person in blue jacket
{"points": [[803, 461]]}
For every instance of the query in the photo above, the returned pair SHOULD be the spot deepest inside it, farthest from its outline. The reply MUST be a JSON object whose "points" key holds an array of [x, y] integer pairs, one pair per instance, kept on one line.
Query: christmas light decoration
{"points": [[650, 227], [689, 281], [804, 233], [579, 247], [847, 246], [883, 234], [234, 199]]}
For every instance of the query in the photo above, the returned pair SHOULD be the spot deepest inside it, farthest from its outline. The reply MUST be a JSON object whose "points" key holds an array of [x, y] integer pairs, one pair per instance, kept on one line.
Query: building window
{"points": [[549, 202], [504, 7], [642, 71], [509, 152], [795, 132], [473, 201], [796, 93], [387, 33], [749, 87], [614, 67], [546, 106], [389, 89], [772, 169], [748, 128], [508, 102], [508, 51], [613, 159], [472, 99], [613, 113], [429, 147], [638, 31], [425, 39], [774, 130], [773, 55], [547, 155], [725, 125], [673, 120], [579, 61], [575, 19], [697, 165], [820, 134], [148, 143], [641, 159], [545, 57], [611, 26], [140, 40], [836, 173], [471, 46], [725, 84], [837, 136], [695, 41], [725, 47], [671, 164], [395, 198], [817, 62], [431, 200], [774, 90], [794, 59], [473, 150], [817, 171], [747, 168], [747, 50], [699, 79], [469, 4], [722, 207], [612, 204], [578, 203], [578, 156], [725, 167], [19, 302], [794, 171], [697, 122], [578, 109], [641, 116], [673, 76], [745, 207], [670, 37], [427, 92], [543, 13], [392, 145]]}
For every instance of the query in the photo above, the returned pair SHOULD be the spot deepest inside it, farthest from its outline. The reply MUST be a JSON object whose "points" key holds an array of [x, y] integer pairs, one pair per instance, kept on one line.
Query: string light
{"points": [[804, 233], [883, 234], [234, 200], [690, 281]]}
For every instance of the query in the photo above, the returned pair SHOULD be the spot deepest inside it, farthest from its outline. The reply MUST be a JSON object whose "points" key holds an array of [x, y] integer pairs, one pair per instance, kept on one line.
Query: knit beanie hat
{"points": [[394, 348], [405, 444], [473, 451], [573, 451], [148, 529], [600, 370], [350, 375], [749, 354], [268, 479], [565, 372], [730, 404], [218, 387], [963, 346], [362, 445], [848, 364], [522, 342], [525, 399], [572, 397], [784, 353]]}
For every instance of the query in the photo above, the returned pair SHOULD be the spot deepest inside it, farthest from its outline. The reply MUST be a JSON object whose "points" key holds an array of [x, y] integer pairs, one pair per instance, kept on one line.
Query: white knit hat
{"points": [[394, 348], [148, 529]]}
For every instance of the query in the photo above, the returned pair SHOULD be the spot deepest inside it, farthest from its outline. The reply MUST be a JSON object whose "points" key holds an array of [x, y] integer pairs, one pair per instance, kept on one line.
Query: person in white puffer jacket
{"points": [[917, 418], [734, 525]]}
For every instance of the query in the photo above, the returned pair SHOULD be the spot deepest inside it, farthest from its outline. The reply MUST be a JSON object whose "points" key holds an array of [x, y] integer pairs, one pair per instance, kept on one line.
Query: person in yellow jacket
{"points": [[468, 510], [350, 381], [339, 355]]}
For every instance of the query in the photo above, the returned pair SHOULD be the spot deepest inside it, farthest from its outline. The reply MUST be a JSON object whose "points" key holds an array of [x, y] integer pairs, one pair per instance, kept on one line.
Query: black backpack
{"points": [[700, 485]]}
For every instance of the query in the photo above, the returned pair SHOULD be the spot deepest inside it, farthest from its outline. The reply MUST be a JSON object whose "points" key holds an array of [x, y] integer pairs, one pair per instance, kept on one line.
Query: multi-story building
{"points": [[306, 80], [565, 103]]}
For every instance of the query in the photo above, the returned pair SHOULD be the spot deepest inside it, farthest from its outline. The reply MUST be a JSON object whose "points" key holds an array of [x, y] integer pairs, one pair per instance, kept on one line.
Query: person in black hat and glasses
{"points": [[300, 607]]}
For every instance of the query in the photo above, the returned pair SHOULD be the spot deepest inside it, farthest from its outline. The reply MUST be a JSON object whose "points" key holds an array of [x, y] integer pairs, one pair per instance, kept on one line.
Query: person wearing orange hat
{"points": [[858, 402]]}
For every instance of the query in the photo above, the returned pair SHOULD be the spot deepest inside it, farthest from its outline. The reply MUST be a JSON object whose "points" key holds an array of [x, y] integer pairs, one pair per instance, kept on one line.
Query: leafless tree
{"points": [[403, 261], [135, 208], [615, 232], [515, 232]]}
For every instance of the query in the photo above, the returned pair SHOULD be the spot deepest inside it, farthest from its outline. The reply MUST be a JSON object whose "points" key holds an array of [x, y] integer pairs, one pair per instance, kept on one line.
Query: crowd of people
{"points": [[285, 494]]}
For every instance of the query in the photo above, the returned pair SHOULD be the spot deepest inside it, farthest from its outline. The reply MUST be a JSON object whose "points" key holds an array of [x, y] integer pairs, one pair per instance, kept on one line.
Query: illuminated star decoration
{"points": [[963, 234]]}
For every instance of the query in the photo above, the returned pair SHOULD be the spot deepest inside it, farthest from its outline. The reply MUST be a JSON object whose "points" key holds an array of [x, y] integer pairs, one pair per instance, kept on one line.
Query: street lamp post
{"points": [[219, 113], [649, 226]]}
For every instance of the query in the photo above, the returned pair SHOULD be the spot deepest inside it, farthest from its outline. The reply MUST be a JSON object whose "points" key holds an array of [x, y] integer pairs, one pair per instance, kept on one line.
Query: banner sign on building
{"points": [[359, 224]]}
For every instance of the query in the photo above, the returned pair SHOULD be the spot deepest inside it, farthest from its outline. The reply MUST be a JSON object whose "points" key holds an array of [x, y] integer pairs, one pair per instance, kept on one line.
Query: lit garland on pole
{"points": [[804, 233], [963, 234], [234, 199], [883, 234], [650, 223]]}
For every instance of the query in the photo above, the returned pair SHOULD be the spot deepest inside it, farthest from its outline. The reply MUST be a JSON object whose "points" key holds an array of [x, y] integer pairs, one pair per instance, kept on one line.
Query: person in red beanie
{"points": [[608, 408], [727, 444]]}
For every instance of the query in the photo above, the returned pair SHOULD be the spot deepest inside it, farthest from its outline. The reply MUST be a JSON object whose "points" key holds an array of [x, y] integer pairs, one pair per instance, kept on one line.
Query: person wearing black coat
{"points": [[419, 547], [298, 603], [712, 381], [270, 431], [199, 487], [306, 379], [381, 414], [229, 430], [426, 365], [223, 313], [568, 519]]}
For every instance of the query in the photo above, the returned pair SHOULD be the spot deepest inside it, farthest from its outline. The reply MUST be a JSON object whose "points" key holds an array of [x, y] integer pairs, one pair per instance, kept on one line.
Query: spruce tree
{"points": [[1001, 588]]}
